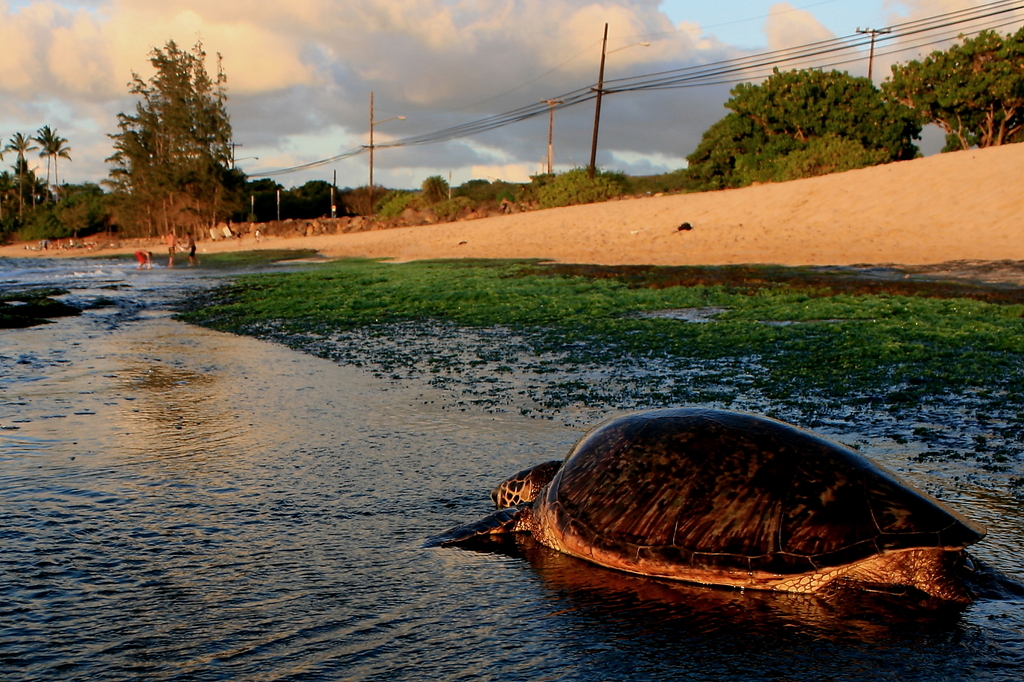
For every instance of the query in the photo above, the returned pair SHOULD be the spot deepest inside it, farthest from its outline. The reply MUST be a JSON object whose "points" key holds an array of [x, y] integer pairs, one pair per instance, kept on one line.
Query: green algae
{"points": [[30, 307]]}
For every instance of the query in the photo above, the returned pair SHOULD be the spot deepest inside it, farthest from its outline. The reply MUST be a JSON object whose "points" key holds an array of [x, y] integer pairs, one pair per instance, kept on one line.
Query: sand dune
{"points": [[961, 206]]}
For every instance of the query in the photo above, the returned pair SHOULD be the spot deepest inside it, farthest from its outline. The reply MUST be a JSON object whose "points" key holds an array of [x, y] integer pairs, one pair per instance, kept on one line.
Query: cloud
{"points": [[300, 72], [790, 27]]}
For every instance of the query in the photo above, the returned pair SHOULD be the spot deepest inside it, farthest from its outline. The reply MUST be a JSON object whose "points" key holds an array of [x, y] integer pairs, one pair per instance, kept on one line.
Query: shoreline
{"points": [[949, 209]]}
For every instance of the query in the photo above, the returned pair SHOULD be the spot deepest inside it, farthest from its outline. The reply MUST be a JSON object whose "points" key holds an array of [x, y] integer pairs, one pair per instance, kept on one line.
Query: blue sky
{"points": [[741, 22], [300, 73]]}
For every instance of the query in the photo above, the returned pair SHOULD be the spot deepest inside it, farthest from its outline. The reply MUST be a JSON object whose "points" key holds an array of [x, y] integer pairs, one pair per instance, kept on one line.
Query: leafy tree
{"points": [[84, 209], [786, 114], [261, 199], [356, 200], [21, 145], [311, 200], [52, 147], [171, 165], [974, 91]]}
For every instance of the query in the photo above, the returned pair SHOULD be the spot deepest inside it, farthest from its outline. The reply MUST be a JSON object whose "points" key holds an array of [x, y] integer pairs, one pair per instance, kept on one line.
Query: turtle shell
{"points": [[724, 491]]}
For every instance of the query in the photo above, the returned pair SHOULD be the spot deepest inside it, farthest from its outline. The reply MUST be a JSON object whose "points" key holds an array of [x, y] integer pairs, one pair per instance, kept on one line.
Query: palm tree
{"points": [[21, 145], [52, 148]]}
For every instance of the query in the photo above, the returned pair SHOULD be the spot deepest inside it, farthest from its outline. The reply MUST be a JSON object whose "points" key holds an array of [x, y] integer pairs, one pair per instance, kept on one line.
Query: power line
{"points": [[821, 54]]}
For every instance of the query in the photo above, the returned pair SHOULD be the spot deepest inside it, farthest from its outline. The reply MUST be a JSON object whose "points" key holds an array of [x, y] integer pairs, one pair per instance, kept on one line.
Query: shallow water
{"points": [[184, 504]]}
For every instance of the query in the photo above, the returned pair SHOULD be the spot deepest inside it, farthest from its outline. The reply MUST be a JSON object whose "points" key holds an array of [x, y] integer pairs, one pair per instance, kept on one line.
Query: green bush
{"points": [[576, 187], [435, 189], [673, 181], [484, 191], [43, 223], [392, 205], [824, 155], [446, 210]]}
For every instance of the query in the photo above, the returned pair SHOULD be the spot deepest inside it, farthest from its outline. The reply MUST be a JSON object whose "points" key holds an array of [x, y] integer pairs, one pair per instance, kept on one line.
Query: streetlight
{"points": [[373, 123], [600, 91]]}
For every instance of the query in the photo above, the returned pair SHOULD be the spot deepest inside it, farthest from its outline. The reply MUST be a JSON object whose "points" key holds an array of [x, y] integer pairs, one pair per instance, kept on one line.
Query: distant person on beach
{"points": [[191, 251], [172, 243], [145, 259]]}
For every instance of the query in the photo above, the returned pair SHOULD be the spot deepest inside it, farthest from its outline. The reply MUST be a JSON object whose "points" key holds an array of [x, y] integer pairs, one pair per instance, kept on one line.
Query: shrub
{"points": [[435, 189], [576, 187], [824, 155], [446, 210], [392, 205]]}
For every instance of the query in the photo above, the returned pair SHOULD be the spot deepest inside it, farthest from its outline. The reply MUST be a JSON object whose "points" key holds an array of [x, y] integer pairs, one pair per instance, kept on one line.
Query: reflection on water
{"points": [[182, 504]]}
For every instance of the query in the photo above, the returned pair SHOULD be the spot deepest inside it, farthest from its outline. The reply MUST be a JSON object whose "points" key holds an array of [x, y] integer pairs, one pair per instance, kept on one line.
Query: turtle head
{"points": [[524, 486]]}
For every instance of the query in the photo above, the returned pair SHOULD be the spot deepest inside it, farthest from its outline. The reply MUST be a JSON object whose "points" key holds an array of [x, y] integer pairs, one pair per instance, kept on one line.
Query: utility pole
{"points": [[373, 123], [871, 54], [551, 129], [371, 153], [233, 145], [334, 206], [597, 108], [600, 93]]}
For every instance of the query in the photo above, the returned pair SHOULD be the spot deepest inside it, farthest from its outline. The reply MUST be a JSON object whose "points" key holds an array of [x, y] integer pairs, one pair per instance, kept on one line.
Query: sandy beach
{"points": [[961, 206]]}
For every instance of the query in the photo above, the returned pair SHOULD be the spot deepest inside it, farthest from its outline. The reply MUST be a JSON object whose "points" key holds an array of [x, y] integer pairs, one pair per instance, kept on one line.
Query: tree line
{"points": [[172, 165]]}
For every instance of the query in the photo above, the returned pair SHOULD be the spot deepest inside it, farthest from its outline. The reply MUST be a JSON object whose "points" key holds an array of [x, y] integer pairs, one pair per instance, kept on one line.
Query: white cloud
{"points": [[789, 27], [511, 172]]}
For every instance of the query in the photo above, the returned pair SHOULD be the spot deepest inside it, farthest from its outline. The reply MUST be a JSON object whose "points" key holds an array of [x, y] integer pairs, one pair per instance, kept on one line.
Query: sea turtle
{"points": [[725, 498]]}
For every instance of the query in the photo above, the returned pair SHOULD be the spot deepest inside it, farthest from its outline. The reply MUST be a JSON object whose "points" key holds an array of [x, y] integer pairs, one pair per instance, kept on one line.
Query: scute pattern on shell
{"points": [[727, 491]]}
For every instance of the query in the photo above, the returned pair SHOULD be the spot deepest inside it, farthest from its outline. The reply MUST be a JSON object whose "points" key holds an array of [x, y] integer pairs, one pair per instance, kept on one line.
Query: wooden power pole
{"points": [[874, 32]]}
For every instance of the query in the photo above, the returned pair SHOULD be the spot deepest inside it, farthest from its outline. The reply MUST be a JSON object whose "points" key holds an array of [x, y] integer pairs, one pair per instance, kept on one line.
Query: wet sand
{"points": [[949, 208]]}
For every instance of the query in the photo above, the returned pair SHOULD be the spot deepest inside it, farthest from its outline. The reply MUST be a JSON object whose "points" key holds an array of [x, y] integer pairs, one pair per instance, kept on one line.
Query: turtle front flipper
{"points": [[511, 520]]}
